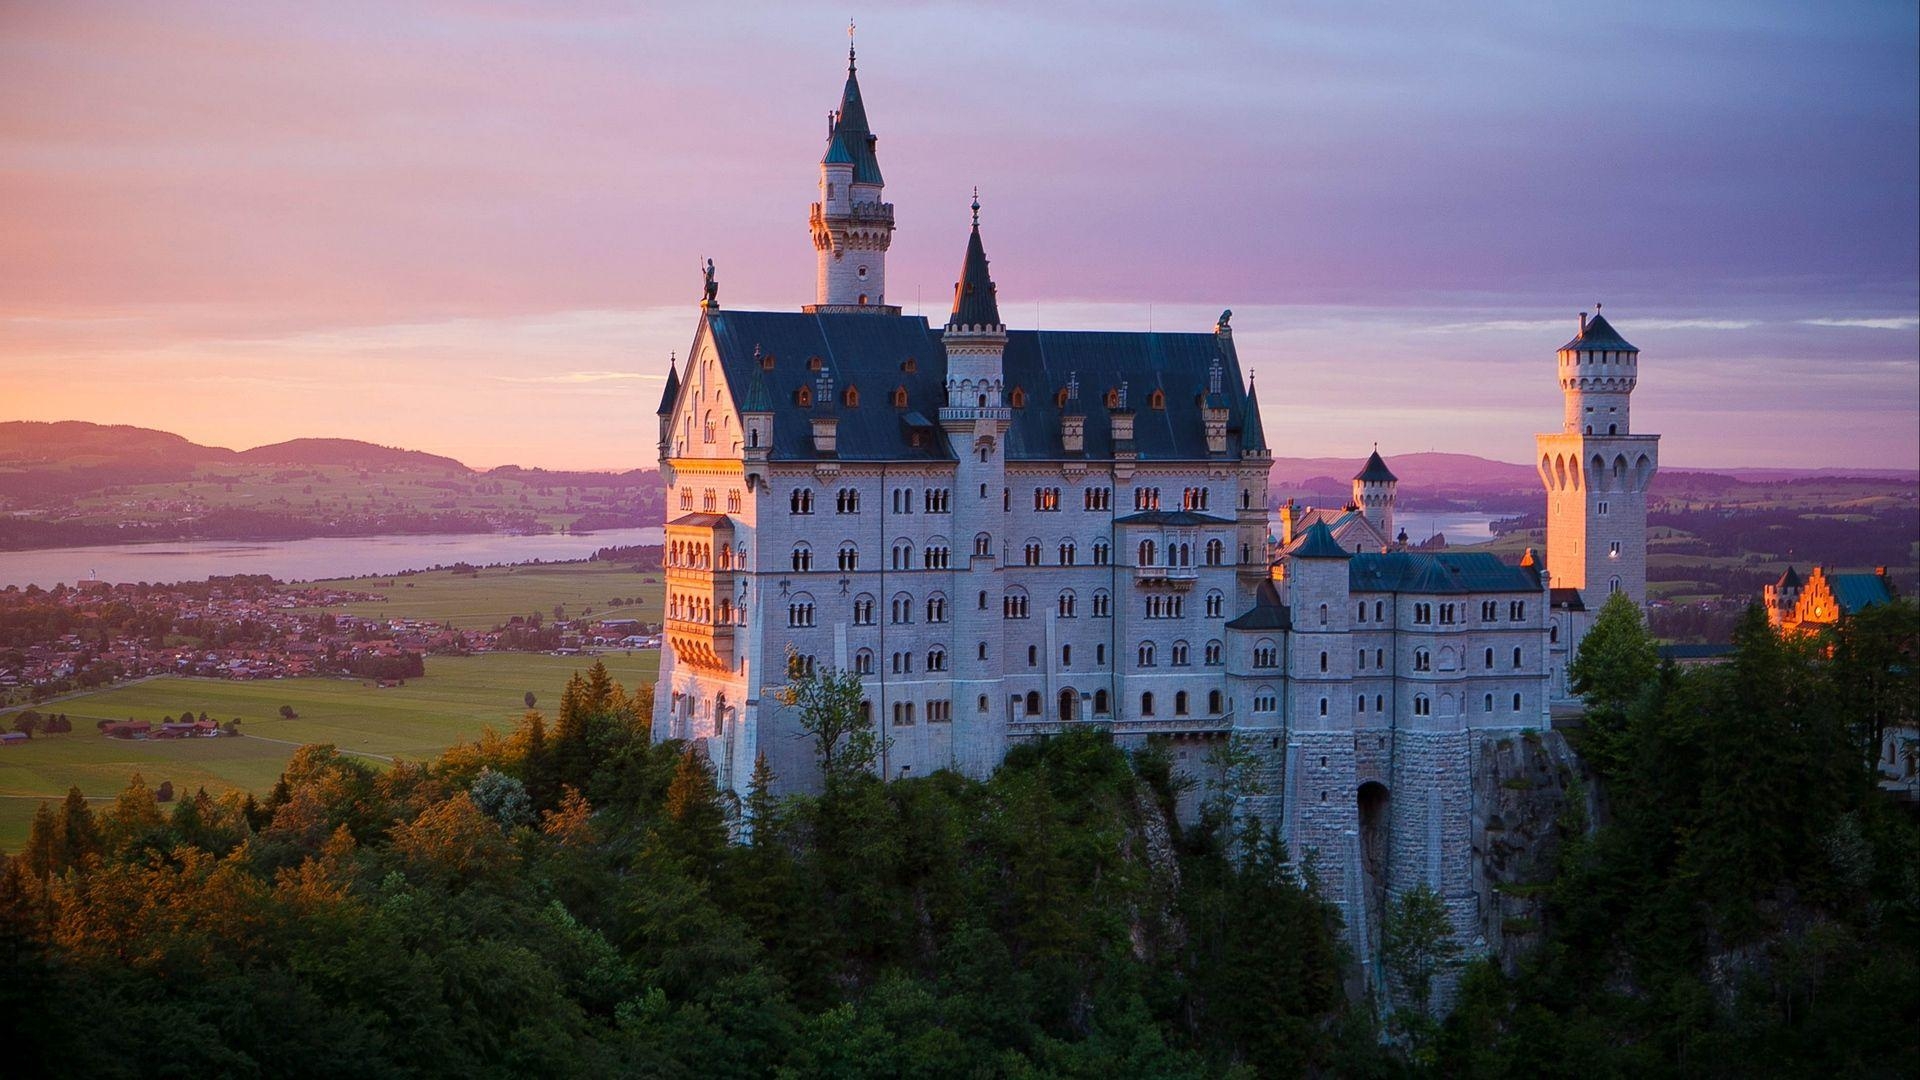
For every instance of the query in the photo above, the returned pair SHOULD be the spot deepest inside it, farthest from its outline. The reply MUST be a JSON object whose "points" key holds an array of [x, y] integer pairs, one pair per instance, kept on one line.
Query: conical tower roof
{"points": [[1320, 544], [1252, 435], [1376, 471], [1598, 335], [851, 140], [974, 303], [672, 392]]}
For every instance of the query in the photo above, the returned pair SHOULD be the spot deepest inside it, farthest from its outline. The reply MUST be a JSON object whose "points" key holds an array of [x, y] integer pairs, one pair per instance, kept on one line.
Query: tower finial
{"points": [[849, 46], [976, 206]]}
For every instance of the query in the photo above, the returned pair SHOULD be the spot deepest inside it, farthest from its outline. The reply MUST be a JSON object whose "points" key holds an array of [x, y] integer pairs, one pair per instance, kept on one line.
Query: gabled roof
{"points": [[851, 133], [1855, 591], [1439, 573], [672, 392], [1597, 336], [867, 352], [1788, 580], [974, 303], [1320, 544], [870, 351], [703, 521], [1041, 362], [1267, 613], [1376, 471]]}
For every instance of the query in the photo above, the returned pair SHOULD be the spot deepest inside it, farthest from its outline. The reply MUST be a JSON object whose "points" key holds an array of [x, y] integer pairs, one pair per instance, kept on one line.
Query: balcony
{"points": [[1179, 577], [703, 645], [955, 414]]}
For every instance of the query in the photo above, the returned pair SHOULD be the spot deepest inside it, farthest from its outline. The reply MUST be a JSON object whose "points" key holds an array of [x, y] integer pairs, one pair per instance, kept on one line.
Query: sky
{"points": [[474, 227]]}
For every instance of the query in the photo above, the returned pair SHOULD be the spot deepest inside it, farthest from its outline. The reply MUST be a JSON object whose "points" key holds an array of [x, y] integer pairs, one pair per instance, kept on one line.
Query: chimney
{"points": [[1073, 422], [1583, 324]]}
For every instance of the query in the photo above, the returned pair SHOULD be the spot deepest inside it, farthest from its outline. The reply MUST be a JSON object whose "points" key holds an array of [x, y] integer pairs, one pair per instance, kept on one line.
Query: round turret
{"points": [[1598, 369]]}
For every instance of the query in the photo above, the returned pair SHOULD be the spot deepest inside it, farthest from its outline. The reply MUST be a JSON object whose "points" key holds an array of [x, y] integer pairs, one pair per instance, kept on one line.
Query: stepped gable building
{"points": [[1009, 533], [1795, 606]]}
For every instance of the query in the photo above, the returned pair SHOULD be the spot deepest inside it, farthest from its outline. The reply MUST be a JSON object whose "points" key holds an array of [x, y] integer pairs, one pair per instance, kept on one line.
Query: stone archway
{"points": [[1069, 705]]}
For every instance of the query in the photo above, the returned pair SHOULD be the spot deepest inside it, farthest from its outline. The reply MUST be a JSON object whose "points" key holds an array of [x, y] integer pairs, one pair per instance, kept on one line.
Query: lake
{"points": [[1461, 528], [300, 560]]}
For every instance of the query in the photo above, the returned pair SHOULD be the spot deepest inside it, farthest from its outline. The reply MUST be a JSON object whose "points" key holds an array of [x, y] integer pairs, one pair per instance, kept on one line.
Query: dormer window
{"points": [[899, 397], [851, 397], [814, 363], [1113, 399], [863, 298], [766, 362], [1018, 399], [909, 365], [1060, 398], [863, 273], [803, 397], [1157, 400]]}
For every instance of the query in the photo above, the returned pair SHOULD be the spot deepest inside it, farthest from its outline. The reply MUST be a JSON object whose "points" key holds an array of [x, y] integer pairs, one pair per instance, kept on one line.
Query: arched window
{"points": [[1180, 703], [1146, 654], [1216, 604], [1146, 704], [1323, 661], [1422, 705], [849, 557], [1102, 604], [899, 393], [801, 501], [982, 544], [936, 608], [1147, 552], [1422, 660], [1323, 614], [1323, 706], [1100, 706], [1516, 703], [863, 610], [1216, 552], [863, 662], [1213, 703], [1033, 703], [1213, 653], [1516, 657], [1489, 657], [901, 609], [1487, 706], [802, 558], [1067, 553], [1069, 604], [1180, 654], [936, 659], [1360, 704]]}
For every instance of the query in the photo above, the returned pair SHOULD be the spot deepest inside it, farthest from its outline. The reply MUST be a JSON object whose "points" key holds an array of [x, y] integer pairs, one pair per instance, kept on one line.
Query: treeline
{"points": [[1751, 905], [1846, 538], [565, 901]]}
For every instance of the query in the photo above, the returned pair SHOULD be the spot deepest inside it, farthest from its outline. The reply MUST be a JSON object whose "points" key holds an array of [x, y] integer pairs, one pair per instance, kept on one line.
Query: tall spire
{"points": [[974, 303], [672, 393], [850, 137]]}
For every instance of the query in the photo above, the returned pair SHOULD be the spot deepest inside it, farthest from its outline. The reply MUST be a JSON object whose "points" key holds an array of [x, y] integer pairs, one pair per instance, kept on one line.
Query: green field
{"points": [[456, 699], [486, 598]]}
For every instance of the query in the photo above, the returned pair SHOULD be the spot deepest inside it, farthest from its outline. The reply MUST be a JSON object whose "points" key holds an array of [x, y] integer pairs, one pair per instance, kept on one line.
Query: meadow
{"points": [[457, 698], [488, 597]]}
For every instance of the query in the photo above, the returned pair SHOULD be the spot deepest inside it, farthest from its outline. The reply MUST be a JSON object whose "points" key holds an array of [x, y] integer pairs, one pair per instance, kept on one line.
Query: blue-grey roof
{"points": [[1267, 613], [1320, 544], [1041, 361], [851, 133], [1252, 435], [1376, 471], [866, 352], [869, 352], [1788, 580], [974, 303], [1599, 336], [1855, 591], [1438, 573], [1171, 517], [671, 394]]}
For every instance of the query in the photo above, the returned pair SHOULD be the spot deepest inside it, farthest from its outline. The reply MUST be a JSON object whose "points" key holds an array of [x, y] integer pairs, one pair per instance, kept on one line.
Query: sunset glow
{"points": [[475, 228]]}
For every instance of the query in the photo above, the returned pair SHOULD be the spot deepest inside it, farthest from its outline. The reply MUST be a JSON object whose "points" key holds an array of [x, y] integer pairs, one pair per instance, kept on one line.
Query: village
{"points": [[76, 638]]}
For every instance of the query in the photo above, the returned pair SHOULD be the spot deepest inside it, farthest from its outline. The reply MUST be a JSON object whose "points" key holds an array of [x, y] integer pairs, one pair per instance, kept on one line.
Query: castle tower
{"points": [[1373, 488], [852, 228], [976, 418], [668, 399], [1596, 471]]}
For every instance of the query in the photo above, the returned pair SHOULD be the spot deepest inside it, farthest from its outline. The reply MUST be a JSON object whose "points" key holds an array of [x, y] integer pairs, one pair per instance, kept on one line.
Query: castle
{"points": [[1010, 533]]}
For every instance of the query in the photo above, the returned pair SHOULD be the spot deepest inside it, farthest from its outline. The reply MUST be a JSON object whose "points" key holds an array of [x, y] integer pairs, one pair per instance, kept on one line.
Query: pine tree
{"points": [[762, 809], [79, 834], [695, 828], [1616, 664], [43, 856]]}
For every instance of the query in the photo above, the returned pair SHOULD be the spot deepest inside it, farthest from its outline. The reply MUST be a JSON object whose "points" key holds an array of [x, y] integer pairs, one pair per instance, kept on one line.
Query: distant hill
{"points": [[1425, 470], [348, 452], [35, 443]]}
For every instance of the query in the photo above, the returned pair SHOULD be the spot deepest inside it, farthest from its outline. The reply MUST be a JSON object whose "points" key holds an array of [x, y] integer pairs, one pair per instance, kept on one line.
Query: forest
{"points": [[571, 899]]}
